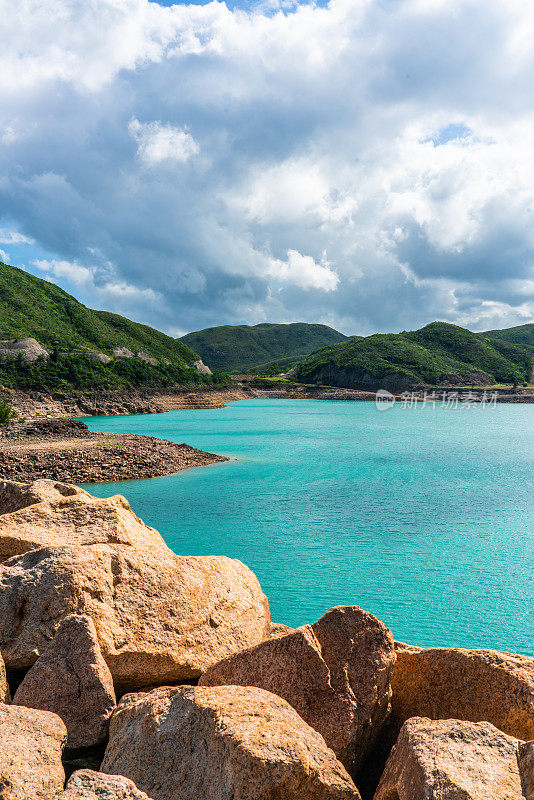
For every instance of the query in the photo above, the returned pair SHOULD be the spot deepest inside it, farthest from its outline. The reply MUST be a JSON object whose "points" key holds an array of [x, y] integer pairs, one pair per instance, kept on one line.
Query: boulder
{"points": [[88, 785], [14, 496], [5, 696], [278, 629], [472, 685], [221, 743], [78, 518], [335, 673], [28, 348], [158, 617], [526, 768], [451, 760], [30, 754], [72, 680]]}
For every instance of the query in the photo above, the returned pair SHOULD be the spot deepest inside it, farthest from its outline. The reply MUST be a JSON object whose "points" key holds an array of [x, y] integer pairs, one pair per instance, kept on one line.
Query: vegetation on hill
{"points": [[437, 353], [521, 334], [78, 371], [30, 306], [239, 348]]}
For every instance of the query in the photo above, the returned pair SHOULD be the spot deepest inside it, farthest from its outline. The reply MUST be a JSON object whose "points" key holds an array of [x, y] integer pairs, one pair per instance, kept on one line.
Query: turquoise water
{"points": [[423, 517]]}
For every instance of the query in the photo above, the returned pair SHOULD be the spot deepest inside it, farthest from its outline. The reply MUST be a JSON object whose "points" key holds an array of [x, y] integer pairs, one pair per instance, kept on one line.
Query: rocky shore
{"points": [[127, 671], [38, 405], [65, 450]]}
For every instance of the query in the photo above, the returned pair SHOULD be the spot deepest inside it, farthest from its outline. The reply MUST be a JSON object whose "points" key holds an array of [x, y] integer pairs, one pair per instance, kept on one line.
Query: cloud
{"points": [[102, 283], [304, 272], [157, 142], [14, 237], [71, 270], [190, 165]]}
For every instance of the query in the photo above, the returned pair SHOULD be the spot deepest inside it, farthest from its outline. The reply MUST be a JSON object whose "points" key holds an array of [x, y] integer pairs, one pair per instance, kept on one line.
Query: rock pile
{"points": [[336, 673], [95, 608]]}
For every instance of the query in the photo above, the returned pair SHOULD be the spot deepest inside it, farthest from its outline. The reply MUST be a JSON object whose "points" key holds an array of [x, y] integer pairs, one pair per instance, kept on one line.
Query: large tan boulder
{"points": [[451, 760], [5, 696], [159, 617], [85, 784], [15, 495], [72, 680], [77, 518], [473, 685], [335, 673], [31, 743], [221, 743]]}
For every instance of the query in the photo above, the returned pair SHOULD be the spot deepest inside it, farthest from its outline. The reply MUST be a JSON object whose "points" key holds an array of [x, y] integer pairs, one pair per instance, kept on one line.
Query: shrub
{"points": [[6, 412]]}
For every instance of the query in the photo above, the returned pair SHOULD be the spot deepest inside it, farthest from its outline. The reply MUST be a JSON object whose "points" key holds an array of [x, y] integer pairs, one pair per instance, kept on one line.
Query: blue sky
{"points": [[363, 163]]}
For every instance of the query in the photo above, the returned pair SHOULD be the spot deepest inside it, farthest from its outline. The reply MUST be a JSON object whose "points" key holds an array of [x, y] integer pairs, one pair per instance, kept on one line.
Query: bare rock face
{"points": [[451, 760], [102, 358], [221, 743], [14, 496], [72, 680], [202, 368], [88, 785], [77, 518], [147, 357], [472, 685], [122, 352], [5, 696], [158, 617], [30, 754], [335, 673], [29, 348]]}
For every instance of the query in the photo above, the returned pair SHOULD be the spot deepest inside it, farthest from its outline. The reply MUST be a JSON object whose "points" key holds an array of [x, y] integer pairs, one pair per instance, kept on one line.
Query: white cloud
{"points": [[5, 257], [13, 237], [71, 270], [304, 272], [377, 132], [157, 142]]}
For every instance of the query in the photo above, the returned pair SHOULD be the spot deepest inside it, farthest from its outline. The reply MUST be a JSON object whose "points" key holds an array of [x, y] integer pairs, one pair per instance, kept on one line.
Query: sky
{"points": [[367, 164]]}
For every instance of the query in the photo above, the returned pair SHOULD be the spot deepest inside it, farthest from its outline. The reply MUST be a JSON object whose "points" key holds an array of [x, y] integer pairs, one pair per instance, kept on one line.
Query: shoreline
{"points": [[66, 451], [41, 405], [47, 443]]}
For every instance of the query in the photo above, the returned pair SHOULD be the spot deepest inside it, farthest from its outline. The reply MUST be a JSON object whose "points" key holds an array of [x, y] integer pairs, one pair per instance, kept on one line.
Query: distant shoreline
{"points": [[39, 405]]}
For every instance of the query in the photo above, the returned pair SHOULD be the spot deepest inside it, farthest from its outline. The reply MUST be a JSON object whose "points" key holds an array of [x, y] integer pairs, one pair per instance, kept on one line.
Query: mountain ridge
{"points": [[242, 347], [438, 353], [519, 334]]}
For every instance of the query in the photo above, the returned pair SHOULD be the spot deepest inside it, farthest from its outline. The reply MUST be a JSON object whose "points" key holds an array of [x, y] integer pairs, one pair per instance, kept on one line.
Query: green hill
{"points": [[31, 307], [235, 348], [34, 307], [437, 354], [521, 334]]}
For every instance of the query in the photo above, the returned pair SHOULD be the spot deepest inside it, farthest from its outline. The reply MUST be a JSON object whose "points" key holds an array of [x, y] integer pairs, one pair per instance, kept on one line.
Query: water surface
{"points": [[423, 517]]}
